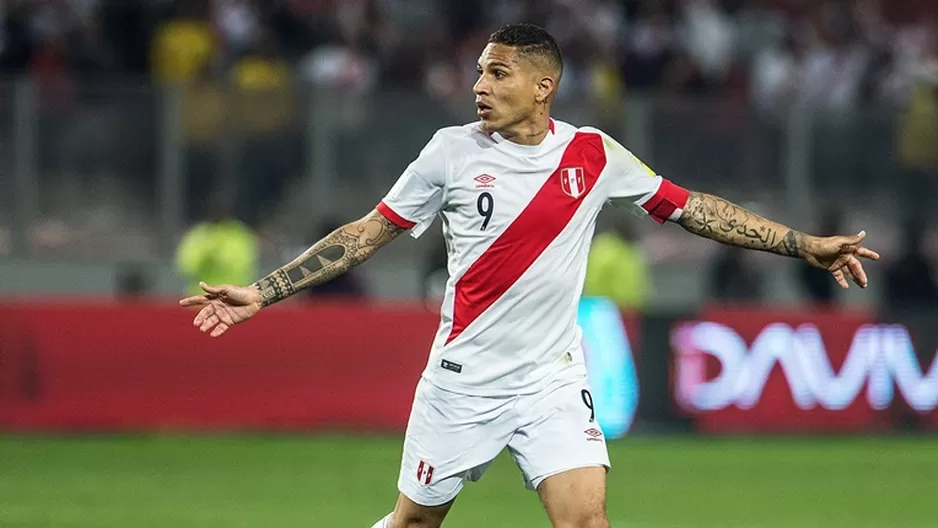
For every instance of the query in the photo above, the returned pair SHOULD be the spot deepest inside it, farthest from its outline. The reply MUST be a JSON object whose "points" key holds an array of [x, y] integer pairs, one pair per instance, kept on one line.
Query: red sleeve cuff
{"points": [[668, 199], [393, 217]]}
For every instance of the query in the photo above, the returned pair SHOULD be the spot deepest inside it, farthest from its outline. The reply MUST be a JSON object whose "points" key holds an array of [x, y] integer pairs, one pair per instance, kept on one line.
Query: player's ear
{"points": [[544, 90]]}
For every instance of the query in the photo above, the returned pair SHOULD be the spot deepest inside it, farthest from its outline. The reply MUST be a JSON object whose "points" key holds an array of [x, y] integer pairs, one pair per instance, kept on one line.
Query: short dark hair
{"points": [[530, 40]]}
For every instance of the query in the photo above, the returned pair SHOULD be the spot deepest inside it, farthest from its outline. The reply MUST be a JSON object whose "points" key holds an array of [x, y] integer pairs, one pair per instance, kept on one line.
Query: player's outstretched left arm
{"points": [[225, 306], [720, 220]]}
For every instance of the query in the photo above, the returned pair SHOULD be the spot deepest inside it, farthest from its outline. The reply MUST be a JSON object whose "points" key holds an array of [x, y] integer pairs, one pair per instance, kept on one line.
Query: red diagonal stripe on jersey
{"points": [[539, 224]]}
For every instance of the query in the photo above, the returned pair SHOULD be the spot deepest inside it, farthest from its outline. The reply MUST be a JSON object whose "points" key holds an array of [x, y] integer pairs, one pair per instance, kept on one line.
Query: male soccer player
{"points": [[518, 194]]}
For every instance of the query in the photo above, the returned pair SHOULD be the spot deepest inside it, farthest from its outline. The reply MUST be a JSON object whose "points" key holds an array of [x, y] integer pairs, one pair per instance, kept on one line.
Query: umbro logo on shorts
{"points": [[593, 435], [424, 473]]}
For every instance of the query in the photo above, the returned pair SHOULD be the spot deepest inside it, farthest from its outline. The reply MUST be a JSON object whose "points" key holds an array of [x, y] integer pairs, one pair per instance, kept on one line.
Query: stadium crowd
{"points": [[836, 53], [833, 55]]}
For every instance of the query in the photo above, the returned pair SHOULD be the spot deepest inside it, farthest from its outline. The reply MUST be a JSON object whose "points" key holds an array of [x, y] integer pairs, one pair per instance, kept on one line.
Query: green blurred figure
{"points": [[617, 268], [219, 250]]}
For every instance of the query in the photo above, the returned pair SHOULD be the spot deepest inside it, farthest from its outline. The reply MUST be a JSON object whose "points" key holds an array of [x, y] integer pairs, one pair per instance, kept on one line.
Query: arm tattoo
{"points": [[717, 219], [332, 256]]}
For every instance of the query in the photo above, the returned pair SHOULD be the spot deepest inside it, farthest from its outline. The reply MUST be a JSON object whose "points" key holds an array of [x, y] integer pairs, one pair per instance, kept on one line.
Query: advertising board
{"points": [[759, 371]]}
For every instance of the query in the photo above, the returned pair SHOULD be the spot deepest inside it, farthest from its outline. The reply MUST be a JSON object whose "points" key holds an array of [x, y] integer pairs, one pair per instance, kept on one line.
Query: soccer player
{"points": [[518, 194]]}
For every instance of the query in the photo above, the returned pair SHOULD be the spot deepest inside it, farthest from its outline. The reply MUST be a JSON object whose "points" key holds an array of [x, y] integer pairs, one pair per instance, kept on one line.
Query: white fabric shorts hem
{"points": [[537, 481], [416, 499]]}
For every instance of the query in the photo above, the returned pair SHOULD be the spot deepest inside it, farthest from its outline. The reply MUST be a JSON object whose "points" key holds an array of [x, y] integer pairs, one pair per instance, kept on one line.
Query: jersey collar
{"points": [[498, 138]]}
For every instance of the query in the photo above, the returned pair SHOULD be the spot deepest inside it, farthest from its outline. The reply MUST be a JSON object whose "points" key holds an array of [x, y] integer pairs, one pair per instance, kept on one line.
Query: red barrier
{"points": [[95, 366], [144, 366], [761, 371]]}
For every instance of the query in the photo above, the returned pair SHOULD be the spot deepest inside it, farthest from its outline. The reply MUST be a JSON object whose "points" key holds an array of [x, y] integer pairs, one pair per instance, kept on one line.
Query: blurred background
{"points": [[149, 144]]}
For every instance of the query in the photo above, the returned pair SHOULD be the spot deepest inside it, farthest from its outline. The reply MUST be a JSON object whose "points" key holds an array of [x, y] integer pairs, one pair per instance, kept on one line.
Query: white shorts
{"points": [[452, 438]]}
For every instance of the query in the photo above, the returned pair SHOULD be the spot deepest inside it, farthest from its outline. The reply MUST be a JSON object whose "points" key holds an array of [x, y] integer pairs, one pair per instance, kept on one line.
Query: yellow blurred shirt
{"points": [[182, 49], [263, 87], [204, 112], [607, 85], [918, 136], [617, 270], [217, 253]]}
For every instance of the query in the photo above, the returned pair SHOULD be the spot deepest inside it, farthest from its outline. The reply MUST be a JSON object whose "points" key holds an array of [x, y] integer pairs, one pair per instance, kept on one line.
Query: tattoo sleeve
{"points": [[720, 220], [332, 256]]}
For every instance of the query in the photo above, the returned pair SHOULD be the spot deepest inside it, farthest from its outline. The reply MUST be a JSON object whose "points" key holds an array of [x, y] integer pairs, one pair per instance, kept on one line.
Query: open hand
{"points": [[841, 256], [223, 307]]}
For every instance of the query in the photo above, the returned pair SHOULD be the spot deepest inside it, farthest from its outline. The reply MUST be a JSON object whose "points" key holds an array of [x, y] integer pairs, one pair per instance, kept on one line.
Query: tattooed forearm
{"points": [[715, 218], [332, 256]]}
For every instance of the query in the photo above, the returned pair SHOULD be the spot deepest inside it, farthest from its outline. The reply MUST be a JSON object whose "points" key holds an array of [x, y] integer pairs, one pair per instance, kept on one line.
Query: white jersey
{"points": [[518, 221]]}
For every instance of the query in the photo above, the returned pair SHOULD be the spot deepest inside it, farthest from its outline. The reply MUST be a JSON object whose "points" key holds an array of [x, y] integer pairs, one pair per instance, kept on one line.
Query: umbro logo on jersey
{"points": [[484, 181], [573, 182], [593, 434]]}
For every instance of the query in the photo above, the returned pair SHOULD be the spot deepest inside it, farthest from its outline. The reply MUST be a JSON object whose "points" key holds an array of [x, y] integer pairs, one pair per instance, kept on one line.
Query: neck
{"points": [[531, 131]]}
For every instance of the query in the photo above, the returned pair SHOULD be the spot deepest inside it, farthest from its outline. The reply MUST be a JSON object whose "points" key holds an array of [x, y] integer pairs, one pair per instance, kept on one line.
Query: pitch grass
{"points": [[337, 481]]}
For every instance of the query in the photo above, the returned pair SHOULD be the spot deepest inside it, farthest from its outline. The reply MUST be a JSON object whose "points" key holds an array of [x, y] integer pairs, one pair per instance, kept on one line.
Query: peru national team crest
{"points": [[424, 473], [573, 182]]}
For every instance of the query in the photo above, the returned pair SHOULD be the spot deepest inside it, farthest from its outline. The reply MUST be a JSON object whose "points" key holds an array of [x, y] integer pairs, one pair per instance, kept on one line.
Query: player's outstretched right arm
{"points": [[346, 247], [343, 249]]}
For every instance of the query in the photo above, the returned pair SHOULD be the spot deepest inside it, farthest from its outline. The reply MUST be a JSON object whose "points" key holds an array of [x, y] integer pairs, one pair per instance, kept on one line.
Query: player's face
{"points": [[507, 88]]}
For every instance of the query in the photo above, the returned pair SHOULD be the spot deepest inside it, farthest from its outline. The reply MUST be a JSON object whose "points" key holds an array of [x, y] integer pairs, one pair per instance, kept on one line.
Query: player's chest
{"points": [[488, 196]]}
